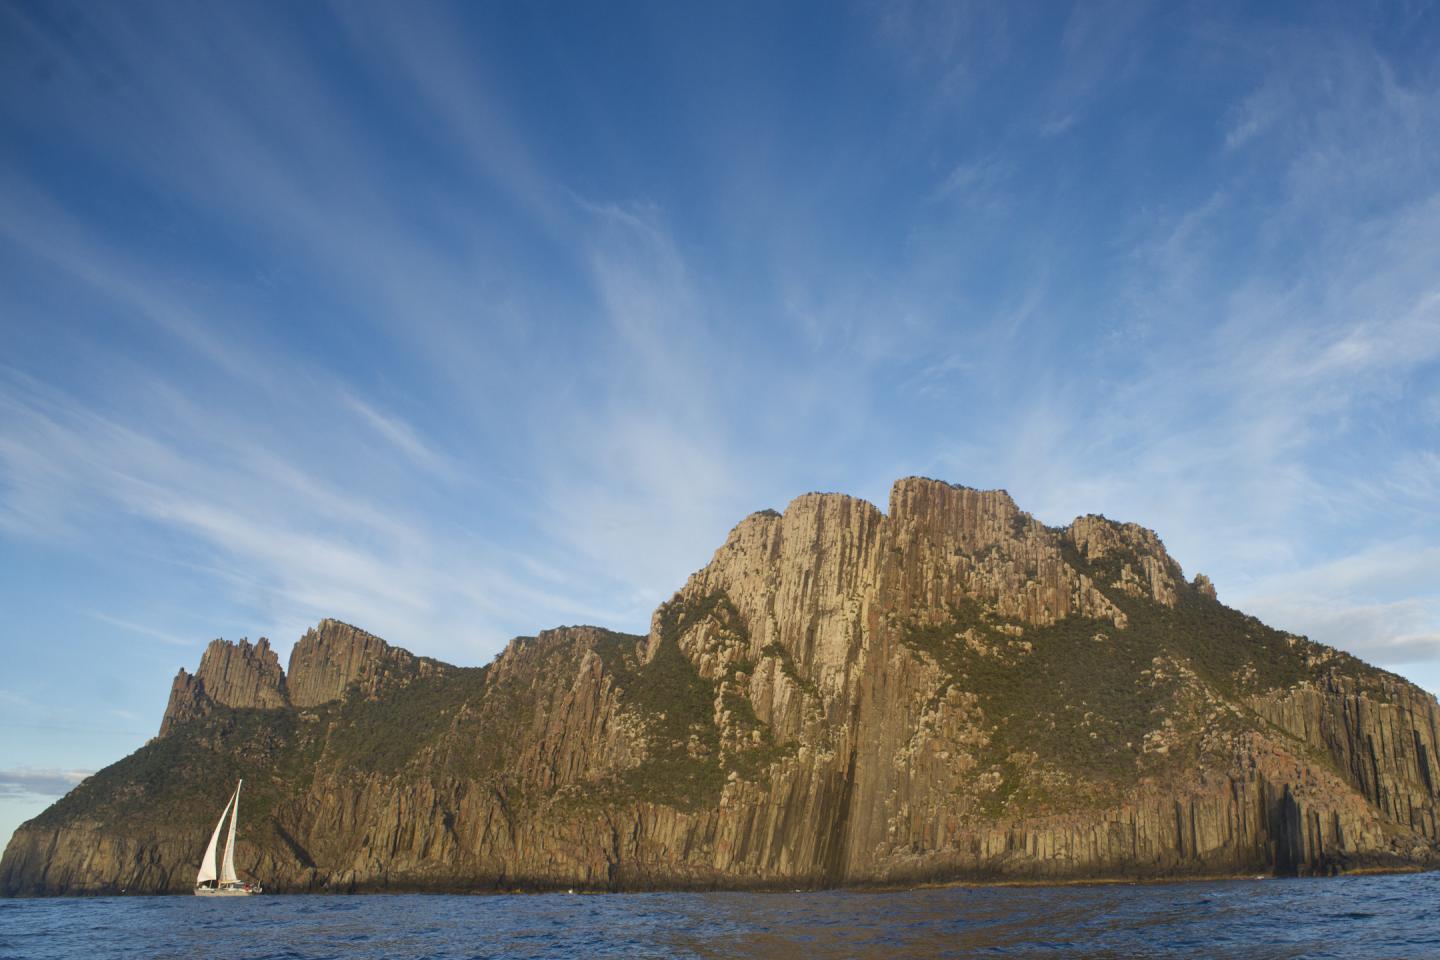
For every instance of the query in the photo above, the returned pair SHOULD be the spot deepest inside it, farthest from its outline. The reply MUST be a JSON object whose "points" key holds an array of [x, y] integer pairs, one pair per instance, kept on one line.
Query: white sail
{"points": [[207, 866], [227, 868]]}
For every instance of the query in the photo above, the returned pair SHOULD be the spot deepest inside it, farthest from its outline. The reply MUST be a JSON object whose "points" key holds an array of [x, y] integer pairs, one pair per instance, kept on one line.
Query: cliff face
{"points": [[230, 675], [947, 690], [332, 656], [324, 665]]}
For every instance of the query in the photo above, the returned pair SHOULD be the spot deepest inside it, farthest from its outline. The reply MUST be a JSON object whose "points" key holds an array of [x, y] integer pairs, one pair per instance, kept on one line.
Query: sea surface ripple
{"points": [[1350, 917]]}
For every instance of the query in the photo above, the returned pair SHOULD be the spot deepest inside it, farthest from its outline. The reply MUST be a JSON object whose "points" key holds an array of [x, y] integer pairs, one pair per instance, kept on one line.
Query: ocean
{"points": [[1350, 917]]}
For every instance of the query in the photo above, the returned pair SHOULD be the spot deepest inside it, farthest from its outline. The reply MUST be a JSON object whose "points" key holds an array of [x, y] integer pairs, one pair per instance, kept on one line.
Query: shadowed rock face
{"points": [[950, 690]]}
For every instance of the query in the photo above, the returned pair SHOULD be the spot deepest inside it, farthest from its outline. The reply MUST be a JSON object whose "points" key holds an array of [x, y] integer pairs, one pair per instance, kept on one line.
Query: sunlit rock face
{"points": [[947, 690], [334, 655], [230, 675]]}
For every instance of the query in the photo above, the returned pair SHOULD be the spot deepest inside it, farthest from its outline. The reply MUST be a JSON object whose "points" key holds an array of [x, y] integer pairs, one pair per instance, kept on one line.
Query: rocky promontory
{"points": [[950, 690]]}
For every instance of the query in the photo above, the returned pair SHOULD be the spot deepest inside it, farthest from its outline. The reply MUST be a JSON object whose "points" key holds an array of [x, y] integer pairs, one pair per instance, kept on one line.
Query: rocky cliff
{"points": [[334, 655], [948, 690], [230, 675]]}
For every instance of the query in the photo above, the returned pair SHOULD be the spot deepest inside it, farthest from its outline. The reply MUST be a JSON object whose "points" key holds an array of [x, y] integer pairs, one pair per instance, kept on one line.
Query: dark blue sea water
{"points": [[1392, 916]]}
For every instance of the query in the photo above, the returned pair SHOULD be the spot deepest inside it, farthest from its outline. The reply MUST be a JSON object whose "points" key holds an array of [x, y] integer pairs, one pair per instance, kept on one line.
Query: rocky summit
{"points": [[948, 691]]}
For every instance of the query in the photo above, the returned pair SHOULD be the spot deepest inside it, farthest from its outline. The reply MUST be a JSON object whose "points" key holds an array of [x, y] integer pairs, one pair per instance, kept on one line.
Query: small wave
{"points": [[1340, 917]]}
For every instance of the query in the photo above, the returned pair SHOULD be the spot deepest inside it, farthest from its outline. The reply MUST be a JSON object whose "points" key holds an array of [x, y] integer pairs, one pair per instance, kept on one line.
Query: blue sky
{"points": [[460, 322]]}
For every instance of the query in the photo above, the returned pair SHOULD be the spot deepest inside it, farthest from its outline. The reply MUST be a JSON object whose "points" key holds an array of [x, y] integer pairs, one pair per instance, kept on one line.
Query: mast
{"points": [[227, 868], [207, 866]]}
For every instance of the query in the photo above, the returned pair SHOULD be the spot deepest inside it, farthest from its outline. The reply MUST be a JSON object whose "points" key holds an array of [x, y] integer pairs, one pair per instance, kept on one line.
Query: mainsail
{"points": [[207, 866], [227, 868]]}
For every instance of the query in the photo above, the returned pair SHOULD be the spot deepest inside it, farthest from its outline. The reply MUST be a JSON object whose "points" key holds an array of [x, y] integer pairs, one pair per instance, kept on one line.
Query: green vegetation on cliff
{"points": [[387, 733], [1082, 695], [1150, 731], [685, 764], [186, 778]]}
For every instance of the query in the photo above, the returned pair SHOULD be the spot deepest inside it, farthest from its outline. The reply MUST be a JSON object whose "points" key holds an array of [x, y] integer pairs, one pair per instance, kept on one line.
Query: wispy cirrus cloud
{"points": [[146, 631], [405, 439], [440, 341], [1257, 393], [296, 544]]}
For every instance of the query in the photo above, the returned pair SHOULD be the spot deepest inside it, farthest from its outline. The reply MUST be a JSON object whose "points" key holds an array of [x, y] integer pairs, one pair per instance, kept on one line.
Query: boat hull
{"points": [[236, 891]]}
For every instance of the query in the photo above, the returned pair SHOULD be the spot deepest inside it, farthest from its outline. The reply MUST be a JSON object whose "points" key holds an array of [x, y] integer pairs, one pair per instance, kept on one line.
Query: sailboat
{"points": [[226, 884]]}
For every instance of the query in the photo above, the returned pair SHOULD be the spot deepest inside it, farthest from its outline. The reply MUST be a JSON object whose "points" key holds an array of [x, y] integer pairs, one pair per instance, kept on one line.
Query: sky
{"points": [[462, 322]]}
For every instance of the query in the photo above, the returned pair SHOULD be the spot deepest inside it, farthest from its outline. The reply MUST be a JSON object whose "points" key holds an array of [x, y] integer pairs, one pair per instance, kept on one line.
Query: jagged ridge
{"points": [[949, 690]]}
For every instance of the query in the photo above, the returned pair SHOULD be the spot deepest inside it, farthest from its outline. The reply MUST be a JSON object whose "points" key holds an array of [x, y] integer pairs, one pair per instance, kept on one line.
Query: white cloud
{"points": [[1388, 634], [641, 477], [423, 50], [28, 782], [403, 437], [978, 183], [605, 455], [144, 631], [271, 529]]}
